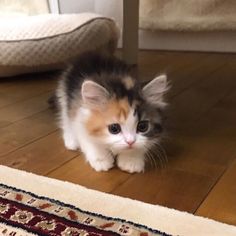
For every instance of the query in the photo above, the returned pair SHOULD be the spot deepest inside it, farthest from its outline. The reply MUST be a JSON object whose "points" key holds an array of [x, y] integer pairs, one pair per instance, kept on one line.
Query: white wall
{"points": [[76, 6], [109, 8]]}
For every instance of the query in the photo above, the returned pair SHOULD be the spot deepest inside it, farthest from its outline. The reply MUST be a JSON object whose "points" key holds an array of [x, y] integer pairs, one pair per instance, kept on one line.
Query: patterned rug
{"points": [[34, 205], [44, 216]]}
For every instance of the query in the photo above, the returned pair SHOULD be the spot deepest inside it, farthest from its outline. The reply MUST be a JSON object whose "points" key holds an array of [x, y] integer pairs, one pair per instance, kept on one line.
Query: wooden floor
{"points": [[200, 174]]}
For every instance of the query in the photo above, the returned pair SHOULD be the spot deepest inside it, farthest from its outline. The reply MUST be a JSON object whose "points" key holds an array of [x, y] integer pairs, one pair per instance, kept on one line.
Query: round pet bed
{"points": [[43, 42]]}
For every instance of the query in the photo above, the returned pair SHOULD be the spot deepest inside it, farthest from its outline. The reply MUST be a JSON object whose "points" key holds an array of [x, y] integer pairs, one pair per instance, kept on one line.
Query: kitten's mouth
{"points": [[129, 147]]}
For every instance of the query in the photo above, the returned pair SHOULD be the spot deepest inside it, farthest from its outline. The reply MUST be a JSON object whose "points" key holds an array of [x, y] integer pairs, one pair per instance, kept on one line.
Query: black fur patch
{"points": [[106, 71]]}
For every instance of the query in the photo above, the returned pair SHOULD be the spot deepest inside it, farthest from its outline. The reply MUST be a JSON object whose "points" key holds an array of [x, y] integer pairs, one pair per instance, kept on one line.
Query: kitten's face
{"points": [[136, 130], [123, 125]]}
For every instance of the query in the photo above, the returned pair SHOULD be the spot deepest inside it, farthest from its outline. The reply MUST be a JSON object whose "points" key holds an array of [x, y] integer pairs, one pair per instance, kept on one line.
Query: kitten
{"points": [[106, 112]]}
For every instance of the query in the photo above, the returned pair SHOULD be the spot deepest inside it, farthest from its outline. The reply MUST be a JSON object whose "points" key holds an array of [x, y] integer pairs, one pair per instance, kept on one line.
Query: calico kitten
{"points": [[106, 112]]}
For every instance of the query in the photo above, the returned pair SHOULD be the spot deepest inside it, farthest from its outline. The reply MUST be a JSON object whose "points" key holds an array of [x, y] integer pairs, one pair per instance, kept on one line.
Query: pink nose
{"points": [[130, 142]]}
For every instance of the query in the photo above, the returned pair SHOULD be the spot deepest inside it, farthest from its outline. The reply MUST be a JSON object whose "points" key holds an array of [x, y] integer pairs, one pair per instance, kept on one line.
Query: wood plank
{"points": [[41, 156], [181, 190], [17, 89], [220, 204], [190, 105], [193, 73], [79, 172], [152, 63], [26, 131], [206, 147], [21, 110], [27, 79]]}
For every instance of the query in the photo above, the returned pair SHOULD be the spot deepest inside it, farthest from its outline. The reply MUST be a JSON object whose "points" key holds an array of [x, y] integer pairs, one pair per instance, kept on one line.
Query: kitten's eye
{"points": [[142, 126], [114, 128]]}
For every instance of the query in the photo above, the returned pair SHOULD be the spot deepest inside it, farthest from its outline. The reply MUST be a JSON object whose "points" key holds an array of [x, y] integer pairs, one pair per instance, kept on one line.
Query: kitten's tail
{"points": [[53, 103]]}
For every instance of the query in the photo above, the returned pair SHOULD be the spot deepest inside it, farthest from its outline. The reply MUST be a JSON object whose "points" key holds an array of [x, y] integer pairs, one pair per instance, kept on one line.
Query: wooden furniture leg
{"points": [[130, 30]]}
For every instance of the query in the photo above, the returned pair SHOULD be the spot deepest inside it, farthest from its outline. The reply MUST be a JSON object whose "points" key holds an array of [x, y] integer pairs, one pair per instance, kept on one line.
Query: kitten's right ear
{"points": [[154, 91], [94, 95]]}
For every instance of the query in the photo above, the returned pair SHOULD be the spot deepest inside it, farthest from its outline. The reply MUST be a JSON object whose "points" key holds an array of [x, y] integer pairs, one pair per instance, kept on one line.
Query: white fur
{"points": [[131, 161], [69, 135]]}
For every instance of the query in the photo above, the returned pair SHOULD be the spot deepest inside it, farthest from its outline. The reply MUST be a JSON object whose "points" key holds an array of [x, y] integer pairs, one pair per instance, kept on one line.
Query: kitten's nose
{"points": [[130, 142]]}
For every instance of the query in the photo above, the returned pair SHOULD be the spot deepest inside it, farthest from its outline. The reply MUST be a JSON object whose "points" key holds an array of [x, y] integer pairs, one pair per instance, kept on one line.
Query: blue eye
{"points": [[142, 126], [114, 128]]}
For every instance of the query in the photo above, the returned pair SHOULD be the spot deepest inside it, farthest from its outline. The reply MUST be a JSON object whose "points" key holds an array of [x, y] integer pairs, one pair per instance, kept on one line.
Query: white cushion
{"points": [[37, 43]]}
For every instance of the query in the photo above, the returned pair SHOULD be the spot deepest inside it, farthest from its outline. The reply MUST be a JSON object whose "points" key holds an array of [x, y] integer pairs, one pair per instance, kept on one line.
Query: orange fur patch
{"points": [[116, 112], [128, 82]]}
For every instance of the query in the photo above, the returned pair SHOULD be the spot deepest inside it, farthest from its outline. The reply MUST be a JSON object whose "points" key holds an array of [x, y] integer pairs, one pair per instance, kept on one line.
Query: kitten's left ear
{"points": [[154, 91], [94, 95]]}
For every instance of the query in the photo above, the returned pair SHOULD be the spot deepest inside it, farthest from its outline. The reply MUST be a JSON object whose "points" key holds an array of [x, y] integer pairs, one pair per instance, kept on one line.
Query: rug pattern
{"points": [[44, 216]]}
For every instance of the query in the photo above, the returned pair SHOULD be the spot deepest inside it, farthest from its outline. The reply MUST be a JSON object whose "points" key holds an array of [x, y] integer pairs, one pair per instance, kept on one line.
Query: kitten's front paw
{"points": [[102, 165], [131, 164]]}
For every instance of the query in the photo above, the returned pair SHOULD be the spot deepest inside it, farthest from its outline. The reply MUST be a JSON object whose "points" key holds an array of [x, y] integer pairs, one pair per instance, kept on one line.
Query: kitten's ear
{"points": [[94, 95], [154, 91]]}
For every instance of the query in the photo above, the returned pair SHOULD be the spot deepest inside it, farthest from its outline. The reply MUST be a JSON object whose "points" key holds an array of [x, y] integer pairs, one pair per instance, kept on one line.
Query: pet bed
{"points": [[45, 42]]}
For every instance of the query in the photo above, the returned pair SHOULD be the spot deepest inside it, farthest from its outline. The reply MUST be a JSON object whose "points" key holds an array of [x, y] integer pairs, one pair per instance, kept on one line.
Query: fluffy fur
{"points": [[106, 112]]}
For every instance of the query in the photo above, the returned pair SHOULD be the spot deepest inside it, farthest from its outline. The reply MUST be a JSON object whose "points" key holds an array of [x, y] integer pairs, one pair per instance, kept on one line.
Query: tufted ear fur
{"points": [[154, 91], [94, 95]]}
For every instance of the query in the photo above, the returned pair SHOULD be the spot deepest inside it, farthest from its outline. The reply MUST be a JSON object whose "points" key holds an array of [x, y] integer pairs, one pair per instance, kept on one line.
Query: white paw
{"points": [[102, 165], [70, 142], [131, 165]]}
